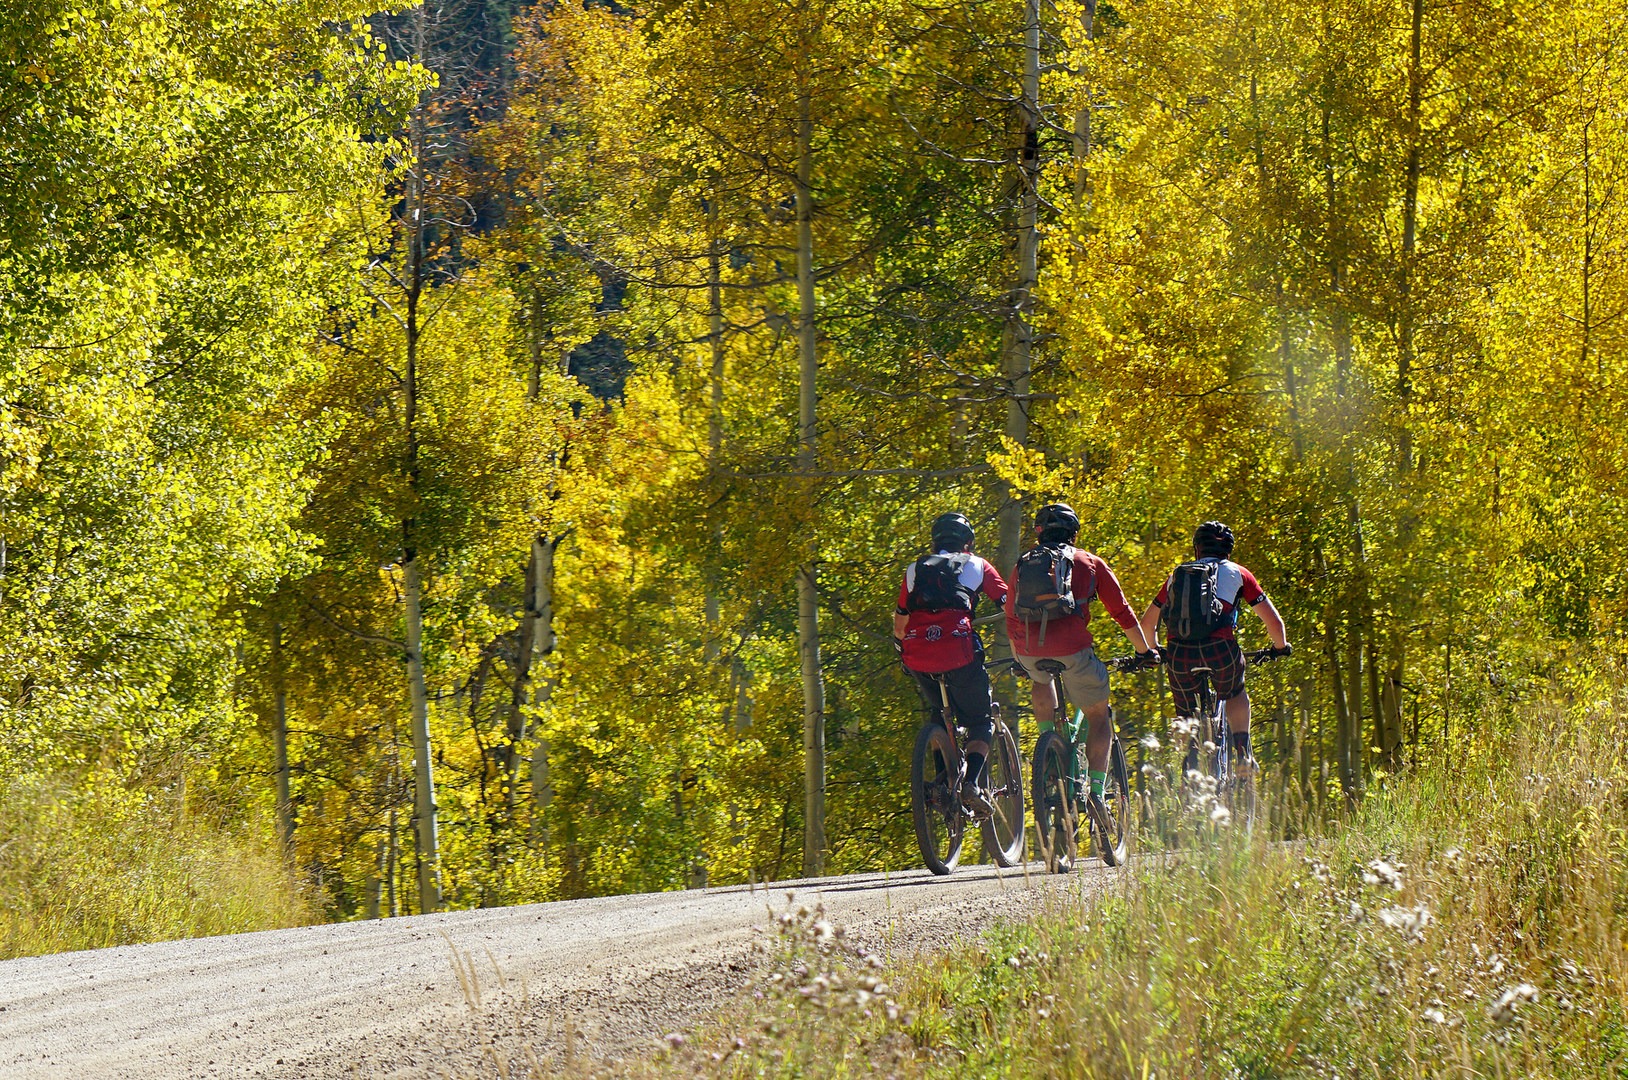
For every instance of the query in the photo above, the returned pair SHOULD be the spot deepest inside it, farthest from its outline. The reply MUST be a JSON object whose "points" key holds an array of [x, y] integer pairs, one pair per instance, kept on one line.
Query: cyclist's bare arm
{"points": [[899, 623], [1150, 624], [1138, 637], [1274, 622]]}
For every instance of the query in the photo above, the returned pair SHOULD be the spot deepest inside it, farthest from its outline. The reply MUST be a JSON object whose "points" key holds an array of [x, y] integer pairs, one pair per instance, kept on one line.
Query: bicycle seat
{"points": [[1050, 666], [1200, 671]]}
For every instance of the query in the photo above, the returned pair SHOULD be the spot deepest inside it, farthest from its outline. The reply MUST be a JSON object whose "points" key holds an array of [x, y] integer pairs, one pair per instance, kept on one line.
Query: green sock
{"points": [[1099, 782]]}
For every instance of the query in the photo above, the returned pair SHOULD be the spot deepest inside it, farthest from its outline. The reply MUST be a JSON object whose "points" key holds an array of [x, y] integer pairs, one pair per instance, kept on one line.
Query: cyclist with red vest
{"points": [[1199, 604], [1066, 636], [933, 633]]}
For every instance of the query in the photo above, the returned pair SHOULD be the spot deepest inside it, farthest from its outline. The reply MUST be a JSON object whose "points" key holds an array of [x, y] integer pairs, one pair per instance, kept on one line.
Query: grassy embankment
{"points": [[1469, 920], [89, 864]]}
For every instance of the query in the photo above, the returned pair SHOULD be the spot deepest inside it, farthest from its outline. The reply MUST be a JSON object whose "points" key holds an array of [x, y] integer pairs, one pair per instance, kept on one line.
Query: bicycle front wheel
{"points": [[1003, 830], [940, 824], [1055, 813], [1112, 836], [1240, 799]]}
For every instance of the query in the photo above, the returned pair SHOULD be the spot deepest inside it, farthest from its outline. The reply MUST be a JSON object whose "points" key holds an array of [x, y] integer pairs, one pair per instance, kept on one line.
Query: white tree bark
{"points": [[425, 822], [279, 740], [808, 597], [1018, 340]]}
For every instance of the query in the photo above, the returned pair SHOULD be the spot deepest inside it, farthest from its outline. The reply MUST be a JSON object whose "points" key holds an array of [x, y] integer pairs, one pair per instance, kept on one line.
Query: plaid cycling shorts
{"points": [[1225, 661]]}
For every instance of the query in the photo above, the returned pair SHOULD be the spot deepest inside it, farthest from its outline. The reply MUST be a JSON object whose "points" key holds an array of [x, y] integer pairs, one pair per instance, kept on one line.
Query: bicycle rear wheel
{"points": [[1003, 830], [940, 824], [1055, 813]]}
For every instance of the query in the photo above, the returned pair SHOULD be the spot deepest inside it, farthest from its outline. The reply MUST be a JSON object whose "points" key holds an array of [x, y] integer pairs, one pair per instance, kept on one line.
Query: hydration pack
{"points": [[938, 585], [1043, 587], [1194, 611]]}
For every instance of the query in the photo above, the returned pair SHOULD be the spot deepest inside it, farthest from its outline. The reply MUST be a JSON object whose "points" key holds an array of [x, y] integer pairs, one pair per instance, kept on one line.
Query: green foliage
{"points": [[281, 314]]}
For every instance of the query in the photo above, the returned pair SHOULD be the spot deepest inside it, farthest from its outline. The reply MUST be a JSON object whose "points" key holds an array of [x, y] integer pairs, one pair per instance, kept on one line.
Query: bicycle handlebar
{"points": [[1132, 663]]}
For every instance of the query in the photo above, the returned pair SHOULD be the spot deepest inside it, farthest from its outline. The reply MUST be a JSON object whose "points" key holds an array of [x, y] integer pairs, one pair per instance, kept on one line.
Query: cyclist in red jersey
{"points": [[933, 633], [1235, 587], [1068, 639]]}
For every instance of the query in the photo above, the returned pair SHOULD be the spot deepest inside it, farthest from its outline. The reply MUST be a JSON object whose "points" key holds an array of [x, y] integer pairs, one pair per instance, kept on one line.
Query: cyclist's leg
{"points": [[1187, 691], [1228, 662], [1042, 692], [1086, 679], [970, 698], [931, 699]]}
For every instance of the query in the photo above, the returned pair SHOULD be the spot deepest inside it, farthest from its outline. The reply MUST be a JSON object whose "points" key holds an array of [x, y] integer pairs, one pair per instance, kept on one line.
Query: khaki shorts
{"points": [[1085, 677]]}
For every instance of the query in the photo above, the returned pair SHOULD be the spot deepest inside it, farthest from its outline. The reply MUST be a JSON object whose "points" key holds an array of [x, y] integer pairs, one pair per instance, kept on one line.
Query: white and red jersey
{"points": [[937, 641], [1234, 584]]}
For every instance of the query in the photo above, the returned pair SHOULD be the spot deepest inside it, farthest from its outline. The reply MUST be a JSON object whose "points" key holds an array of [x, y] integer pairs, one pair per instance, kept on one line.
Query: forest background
{"points": [[464, 454]]}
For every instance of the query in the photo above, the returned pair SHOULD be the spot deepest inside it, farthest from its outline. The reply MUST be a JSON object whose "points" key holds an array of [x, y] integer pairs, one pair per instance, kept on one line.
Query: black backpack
{"points": [[1043, 586], [938, 584], [1193, 612]]}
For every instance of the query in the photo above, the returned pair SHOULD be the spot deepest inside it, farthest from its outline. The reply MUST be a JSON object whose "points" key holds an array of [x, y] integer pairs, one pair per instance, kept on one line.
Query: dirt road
{"points": [[384, 999]]}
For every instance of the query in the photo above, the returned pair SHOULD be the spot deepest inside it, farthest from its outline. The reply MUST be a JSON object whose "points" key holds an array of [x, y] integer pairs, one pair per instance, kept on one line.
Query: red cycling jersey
{"points": [[1232, 584], [936, 641], [1071, 633]]}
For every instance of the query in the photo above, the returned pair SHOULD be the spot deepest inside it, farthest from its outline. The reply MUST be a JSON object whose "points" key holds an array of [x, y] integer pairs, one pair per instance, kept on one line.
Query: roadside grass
{"points": [[89, 862], [1468, 920]]}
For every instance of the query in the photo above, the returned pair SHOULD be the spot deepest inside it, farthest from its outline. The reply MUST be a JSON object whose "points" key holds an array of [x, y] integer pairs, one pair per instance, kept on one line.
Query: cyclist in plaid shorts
{"points": [[1234, 587]]}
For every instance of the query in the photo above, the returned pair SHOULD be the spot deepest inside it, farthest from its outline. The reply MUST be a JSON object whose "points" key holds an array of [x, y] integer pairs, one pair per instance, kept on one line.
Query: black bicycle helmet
{"points": [[1056, 522], [952, 532], [1212, 539]]}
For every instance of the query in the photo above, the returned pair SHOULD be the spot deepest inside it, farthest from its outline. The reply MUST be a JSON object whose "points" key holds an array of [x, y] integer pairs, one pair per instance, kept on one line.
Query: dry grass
{"points": [[91, 863], [1470, 921]]}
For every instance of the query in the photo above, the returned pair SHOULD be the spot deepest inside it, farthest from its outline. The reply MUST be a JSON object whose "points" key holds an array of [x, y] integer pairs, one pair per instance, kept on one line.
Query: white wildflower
{"points": [[1506, 1008], [1435, 1016], [1409, 922], [1221, 817], [1380, 872], [1150, 741]]}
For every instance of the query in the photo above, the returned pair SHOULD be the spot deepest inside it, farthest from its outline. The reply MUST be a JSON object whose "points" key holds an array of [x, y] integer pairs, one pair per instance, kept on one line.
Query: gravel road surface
{"points": [[397, 998]]}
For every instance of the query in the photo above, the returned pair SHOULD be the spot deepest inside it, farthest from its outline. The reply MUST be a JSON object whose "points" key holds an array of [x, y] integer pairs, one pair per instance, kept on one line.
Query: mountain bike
{"points": [[1060, 780], [936, 774], [1210, 739]]}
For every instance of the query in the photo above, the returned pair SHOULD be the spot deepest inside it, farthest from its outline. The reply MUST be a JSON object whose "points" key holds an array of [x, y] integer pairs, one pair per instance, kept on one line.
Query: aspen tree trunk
{"points": [[425, 826], [1376, 702], [1308, 688], [1018, 340], [1082, 121], [375, 880], [1342, 723], [715, 398], [279, 740], [536, 643], [543, 550], [1410, 230], [1357, 753], [536, 633], [808, 597], [392, 863]]}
